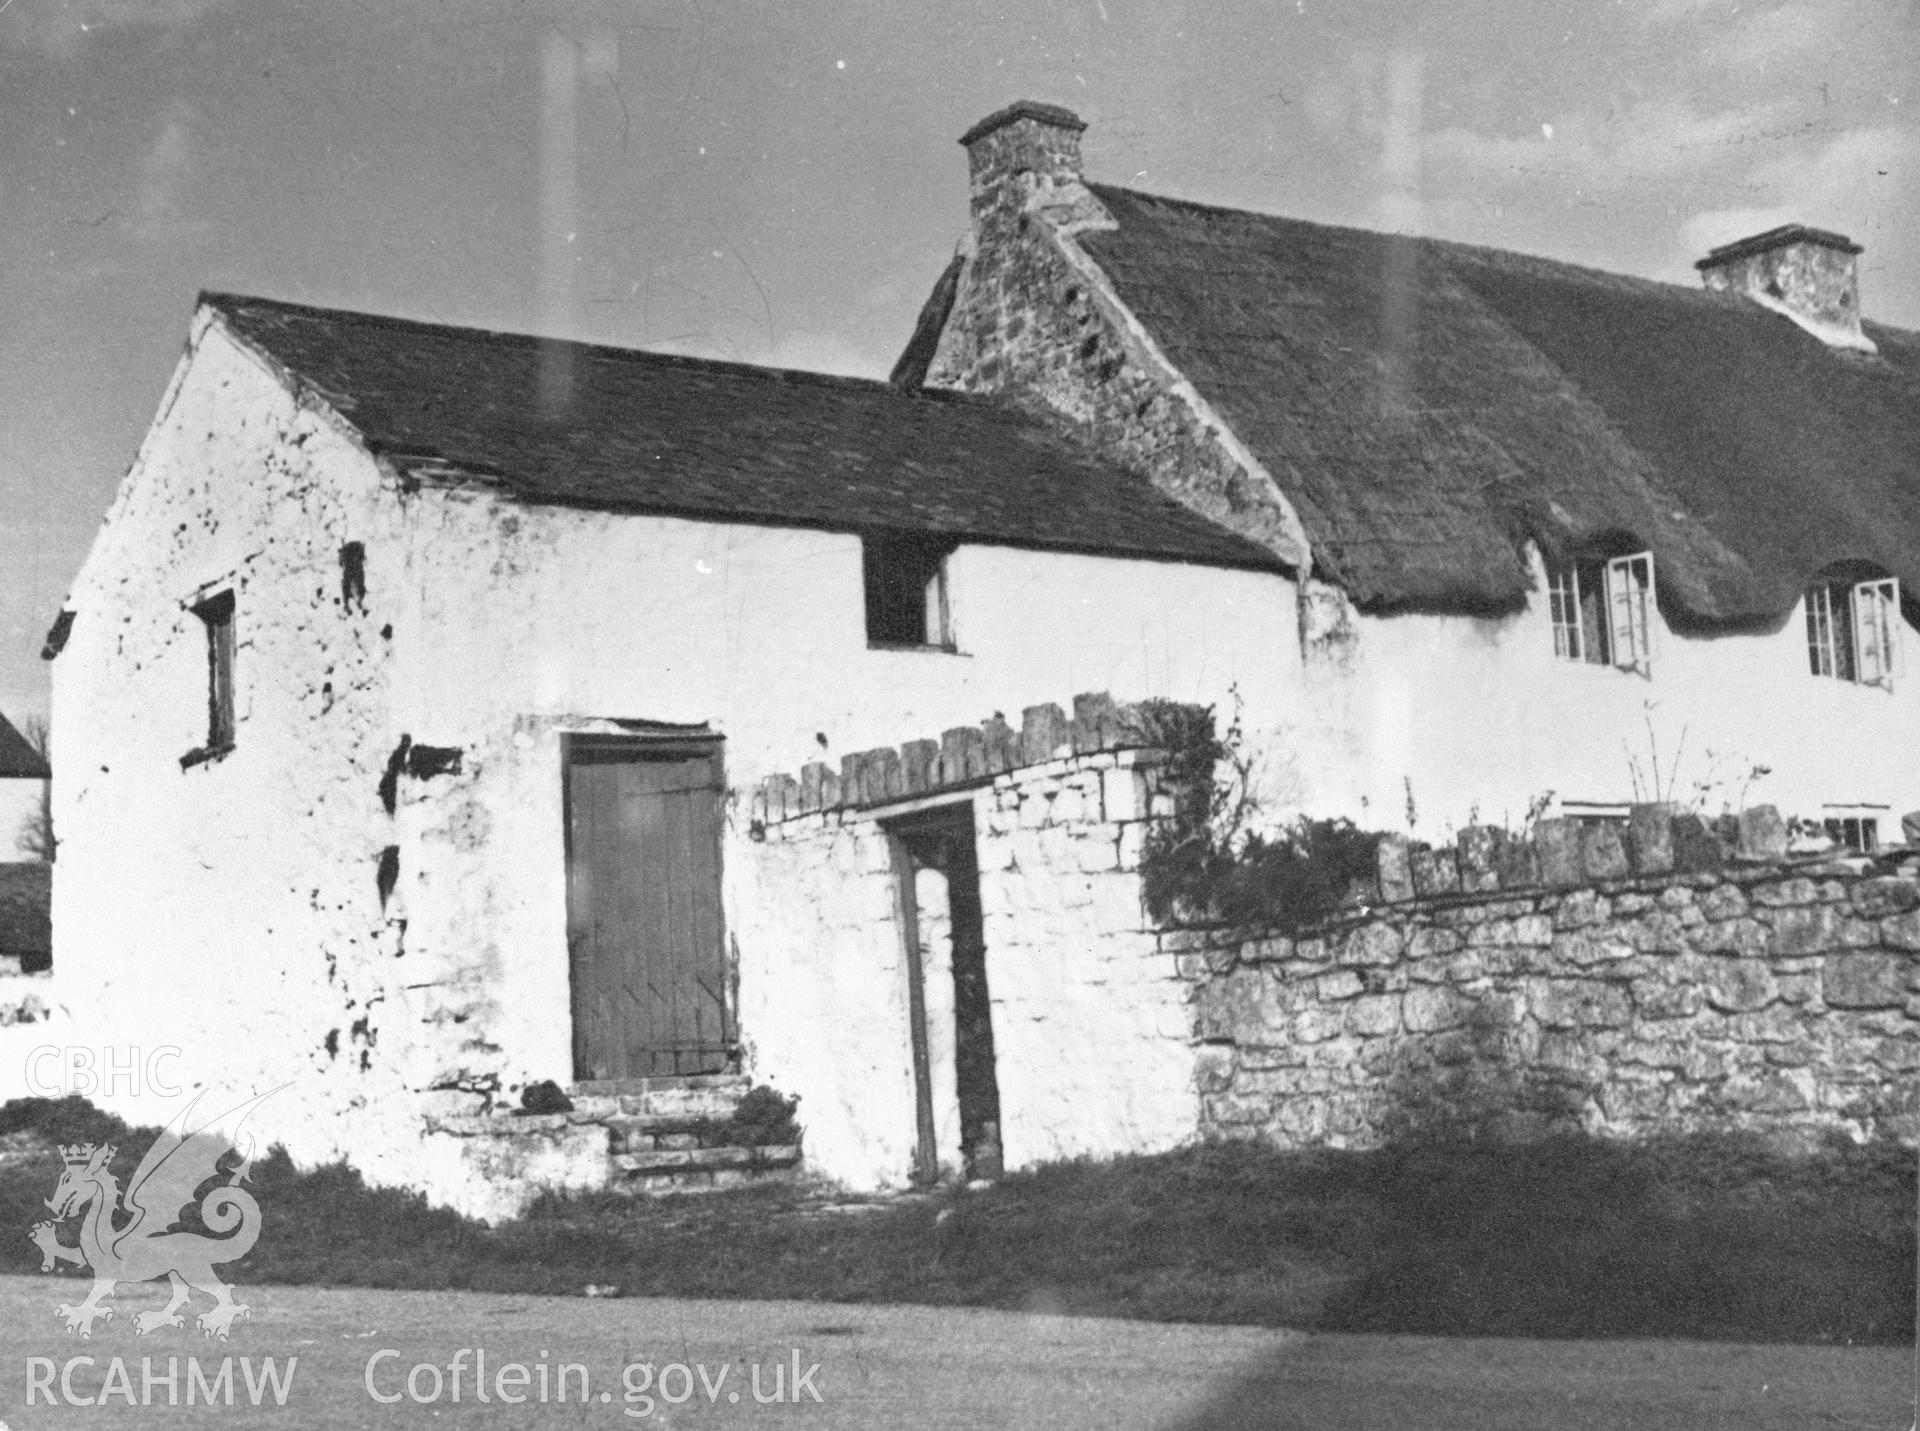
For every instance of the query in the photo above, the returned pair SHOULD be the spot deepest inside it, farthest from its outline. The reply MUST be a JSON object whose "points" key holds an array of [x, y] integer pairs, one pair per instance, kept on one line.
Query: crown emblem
{"points": [[78, 1155]]}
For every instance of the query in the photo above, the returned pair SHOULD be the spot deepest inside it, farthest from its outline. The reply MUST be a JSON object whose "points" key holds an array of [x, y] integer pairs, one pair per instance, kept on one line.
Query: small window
{"points": [[1592, 814], [216, 614], [906, 585], [1602, 611], [1851, 632], [1854, 832]]}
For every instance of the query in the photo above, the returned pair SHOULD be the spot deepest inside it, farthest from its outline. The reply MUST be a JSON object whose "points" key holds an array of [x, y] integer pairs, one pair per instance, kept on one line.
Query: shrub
{"points": [[1205, 863], [764, 1119]]}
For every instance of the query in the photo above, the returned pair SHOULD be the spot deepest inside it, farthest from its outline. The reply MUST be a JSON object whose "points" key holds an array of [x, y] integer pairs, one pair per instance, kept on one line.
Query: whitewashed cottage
{"points": [[441, 712]]}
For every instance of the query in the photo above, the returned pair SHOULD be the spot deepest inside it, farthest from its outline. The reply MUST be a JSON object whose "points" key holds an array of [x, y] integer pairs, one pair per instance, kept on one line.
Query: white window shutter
{"points": [[1629, 599], [1873, 632]]}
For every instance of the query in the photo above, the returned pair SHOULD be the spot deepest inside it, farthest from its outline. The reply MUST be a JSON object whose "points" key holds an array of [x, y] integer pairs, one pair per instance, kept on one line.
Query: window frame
{"points": [[1853, 630], [1630, 606], [1601, 611], [902, 574], [1855, 828], [216, 611]]}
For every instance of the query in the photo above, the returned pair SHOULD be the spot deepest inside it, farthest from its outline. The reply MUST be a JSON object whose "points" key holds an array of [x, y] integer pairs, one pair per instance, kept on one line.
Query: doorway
{"points": [[645, 937], [957, 1094]]}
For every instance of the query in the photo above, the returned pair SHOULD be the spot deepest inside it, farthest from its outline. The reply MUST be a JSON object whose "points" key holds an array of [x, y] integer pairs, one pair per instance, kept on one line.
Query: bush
{"points": [[62, 1120], [1205, 863], [764, 1119]]}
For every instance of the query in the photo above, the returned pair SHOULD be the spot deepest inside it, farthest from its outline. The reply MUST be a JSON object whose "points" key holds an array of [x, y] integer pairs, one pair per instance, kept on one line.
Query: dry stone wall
{"points": [[1679, 976]]}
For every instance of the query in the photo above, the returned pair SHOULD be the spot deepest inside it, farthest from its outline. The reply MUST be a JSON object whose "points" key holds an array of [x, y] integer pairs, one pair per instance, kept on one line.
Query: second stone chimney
{"points": [[1808, 275], [1020, 149]]}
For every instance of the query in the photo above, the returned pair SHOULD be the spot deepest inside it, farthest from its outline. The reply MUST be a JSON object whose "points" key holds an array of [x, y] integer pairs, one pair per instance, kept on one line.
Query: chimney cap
{"points": [[1776, 238], [1054, 114]]}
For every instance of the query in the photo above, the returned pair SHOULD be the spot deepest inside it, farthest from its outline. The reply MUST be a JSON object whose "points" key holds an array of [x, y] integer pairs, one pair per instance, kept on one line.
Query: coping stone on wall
{"points": [[1650, 837], [1657, 839], [1393, 861], [1480, 858], [917, 759], [963, 756]]}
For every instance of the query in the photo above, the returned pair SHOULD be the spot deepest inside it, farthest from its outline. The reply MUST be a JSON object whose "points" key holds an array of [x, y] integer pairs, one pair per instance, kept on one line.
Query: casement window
{"points": [[216, 616], [905, 575], [1602, 611], [1854, 830], [1592, 814], [1852, 633]]}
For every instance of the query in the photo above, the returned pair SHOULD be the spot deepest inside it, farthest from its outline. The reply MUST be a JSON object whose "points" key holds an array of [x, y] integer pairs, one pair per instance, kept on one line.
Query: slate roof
{"points": [[1497, 398], [654, 432], [18, 759]]}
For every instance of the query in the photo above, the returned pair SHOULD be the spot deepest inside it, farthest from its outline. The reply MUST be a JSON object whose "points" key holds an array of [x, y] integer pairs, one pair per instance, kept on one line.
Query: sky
{"points": [[781, 184]]}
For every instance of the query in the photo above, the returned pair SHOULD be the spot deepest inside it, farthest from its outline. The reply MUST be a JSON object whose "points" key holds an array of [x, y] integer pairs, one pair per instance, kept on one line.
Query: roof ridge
{"points": [[665, 433], [765, 372], [1456, 247], [1486, 254]]}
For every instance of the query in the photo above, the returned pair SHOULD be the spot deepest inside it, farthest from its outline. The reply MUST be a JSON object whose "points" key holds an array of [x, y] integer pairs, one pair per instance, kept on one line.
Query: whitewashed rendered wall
{"points": [[1479, 715], [823, 992], [230, 908], [537, 621]]}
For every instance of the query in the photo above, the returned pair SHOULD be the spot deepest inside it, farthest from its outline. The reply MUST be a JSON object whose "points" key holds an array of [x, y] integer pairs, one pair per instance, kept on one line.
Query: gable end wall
{"points": [[1035, 317], [229, 907]]}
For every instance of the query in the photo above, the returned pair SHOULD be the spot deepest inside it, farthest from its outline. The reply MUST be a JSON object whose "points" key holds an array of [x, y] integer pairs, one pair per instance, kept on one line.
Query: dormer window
{"points": [[906, 587], [1851, 631], [1602, 611]]}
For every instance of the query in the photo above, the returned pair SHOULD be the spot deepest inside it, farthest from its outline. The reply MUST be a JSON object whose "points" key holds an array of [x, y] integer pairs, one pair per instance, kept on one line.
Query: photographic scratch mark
{"points": [[752, 277]]}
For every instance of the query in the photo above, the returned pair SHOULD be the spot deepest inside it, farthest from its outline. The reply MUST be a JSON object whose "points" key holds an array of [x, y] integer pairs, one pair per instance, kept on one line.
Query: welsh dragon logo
{"points": [[143, 1248]]}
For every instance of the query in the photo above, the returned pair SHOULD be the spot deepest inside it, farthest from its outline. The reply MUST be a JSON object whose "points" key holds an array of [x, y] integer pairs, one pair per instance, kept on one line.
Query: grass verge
{"points": [[1701, 1237]]}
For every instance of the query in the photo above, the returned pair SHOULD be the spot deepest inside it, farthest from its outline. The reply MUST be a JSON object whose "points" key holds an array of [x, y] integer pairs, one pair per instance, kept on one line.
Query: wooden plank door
{"points": [[643, 910]]}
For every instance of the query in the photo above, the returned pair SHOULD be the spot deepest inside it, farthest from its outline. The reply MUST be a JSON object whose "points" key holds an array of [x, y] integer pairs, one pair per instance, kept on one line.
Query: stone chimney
{"points": [[1808, 275], [1017, 151]]}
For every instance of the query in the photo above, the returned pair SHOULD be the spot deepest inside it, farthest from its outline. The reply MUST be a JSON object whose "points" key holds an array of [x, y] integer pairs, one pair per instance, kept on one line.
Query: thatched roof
{"points": [[654, 432], [1430, 407]]}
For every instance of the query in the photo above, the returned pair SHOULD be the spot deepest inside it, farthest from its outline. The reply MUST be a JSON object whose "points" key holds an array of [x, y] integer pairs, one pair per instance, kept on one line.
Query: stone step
{"points": [[656, 1136], [645, 1132], [615, 1087], [673, 1160], [710, 1102], [667, 1171]]}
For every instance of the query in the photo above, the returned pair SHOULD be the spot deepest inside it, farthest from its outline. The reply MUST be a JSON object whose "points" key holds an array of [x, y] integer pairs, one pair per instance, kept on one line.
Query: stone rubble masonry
{"points": [[1034, 315], [1092, 1032], [1689, 978]]}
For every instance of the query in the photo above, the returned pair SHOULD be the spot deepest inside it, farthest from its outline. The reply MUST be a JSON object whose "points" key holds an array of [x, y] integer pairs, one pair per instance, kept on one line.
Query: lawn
{"points": [[1700, 1238]]}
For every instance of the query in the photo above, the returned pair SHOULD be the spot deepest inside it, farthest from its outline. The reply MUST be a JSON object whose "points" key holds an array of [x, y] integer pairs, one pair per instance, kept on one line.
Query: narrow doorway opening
{"points": [[937, 870]]}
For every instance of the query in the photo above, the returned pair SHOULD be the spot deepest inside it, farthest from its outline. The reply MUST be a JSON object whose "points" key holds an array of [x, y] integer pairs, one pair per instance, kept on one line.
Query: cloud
{"points": [[1766, 37], [1651, 140], [63, 27], [1860, 182]]}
